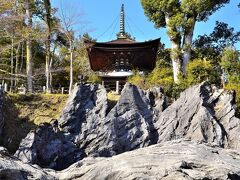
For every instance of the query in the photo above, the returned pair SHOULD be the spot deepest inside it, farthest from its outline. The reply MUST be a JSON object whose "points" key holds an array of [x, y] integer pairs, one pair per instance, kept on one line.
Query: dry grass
{"points": [[112, 100], [25, 112], [112, 96], [39, 108]]}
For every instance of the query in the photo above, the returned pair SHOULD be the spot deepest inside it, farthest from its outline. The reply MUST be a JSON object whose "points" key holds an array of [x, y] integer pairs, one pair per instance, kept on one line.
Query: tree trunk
{"points": [[22, 56], [50, 73], [47, 71], [47, 5], [29, 66], [51, 64], [175, 53], [71, 71], [29, 49], [176, 61], [12, 64], [16, 66], [187, 44]]}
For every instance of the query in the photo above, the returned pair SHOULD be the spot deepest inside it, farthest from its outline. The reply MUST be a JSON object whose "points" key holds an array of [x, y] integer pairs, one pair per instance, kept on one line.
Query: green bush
{"points": [[137, 79], [230, 62], [94, 78], [201, 70]]}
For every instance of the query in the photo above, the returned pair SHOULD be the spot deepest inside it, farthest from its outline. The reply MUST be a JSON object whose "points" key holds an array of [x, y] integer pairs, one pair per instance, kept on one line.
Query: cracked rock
{"points": [[202, 113]]}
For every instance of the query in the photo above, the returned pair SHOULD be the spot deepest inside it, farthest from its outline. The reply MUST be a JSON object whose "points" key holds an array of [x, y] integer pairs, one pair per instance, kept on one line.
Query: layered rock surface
{"points": [[202, 113], [179, 159], [48, 147], [127, 126], [12, 168], [170, 160]]}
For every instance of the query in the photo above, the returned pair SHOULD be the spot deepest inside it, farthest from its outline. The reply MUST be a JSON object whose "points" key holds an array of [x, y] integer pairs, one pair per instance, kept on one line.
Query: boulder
{"points": [[48, 147], [84, 116], [129, 124], [179, 159], [11, 169], [202, 113], [87, 102], [157, 99]]}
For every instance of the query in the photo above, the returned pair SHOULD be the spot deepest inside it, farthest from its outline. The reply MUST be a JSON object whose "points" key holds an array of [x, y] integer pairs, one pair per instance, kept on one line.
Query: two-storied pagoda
{"points": [[115, 60]]}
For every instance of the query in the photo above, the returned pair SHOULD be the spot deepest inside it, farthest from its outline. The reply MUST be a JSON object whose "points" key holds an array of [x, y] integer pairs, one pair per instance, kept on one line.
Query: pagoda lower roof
{"points": [[140, 55]]}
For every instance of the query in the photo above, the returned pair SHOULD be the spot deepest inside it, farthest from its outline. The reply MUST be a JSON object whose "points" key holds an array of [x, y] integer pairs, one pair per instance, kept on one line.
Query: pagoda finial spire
{"points": [[122, 23]]}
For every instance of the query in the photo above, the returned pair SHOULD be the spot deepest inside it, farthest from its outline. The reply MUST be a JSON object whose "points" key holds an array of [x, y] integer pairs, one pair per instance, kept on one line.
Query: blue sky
{"points": [[101, 19]]}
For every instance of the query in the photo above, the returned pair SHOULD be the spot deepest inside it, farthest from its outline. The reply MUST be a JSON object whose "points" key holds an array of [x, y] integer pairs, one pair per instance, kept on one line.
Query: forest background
{"points": [[39, 46]]}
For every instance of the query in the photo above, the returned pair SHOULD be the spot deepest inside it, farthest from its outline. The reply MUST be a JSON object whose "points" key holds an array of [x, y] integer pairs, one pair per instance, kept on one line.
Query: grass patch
{"points": [[25, 112], [39, 108], [112, 100]]}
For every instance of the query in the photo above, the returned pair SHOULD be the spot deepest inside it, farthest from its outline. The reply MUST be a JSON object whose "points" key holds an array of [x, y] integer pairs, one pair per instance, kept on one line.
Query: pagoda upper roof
{"points": [[121, 41]]}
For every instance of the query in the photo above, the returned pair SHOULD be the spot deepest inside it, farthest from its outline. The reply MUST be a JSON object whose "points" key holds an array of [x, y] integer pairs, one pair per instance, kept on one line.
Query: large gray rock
{"points": [[202, 113], [127, 126], [158, 100], [87, 102], [48, 147], [1, 110], [13, 169], [179, 159], [170, 160], [84, 115]]}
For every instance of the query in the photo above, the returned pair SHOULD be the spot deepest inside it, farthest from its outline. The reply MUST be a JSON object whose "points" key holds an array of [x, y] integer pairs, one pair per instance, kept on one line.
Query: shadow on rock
{"points": [[14, 128], [49, 148]]}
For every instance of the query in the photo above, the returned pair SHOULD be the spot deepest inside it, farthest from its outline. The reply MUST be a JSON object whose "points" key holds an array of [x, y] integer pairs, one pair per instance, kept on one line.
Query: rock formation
{"points": [[203, 119], [202, 113], [170, 160], [178, 159], [83, 117], [48, 147], [157, 99], [127, 126], [87, 102], [12, 168]]}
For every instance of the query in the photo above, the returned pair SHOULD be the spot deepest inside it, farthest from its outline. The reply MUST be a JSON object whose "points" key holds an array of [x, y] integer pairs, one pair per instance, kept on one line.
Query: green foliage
{"points": [[200, 70], [179, 18], [162, 75], [211, 46], [230, 61], [182, 14], [137, 79], [94, 78]]}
